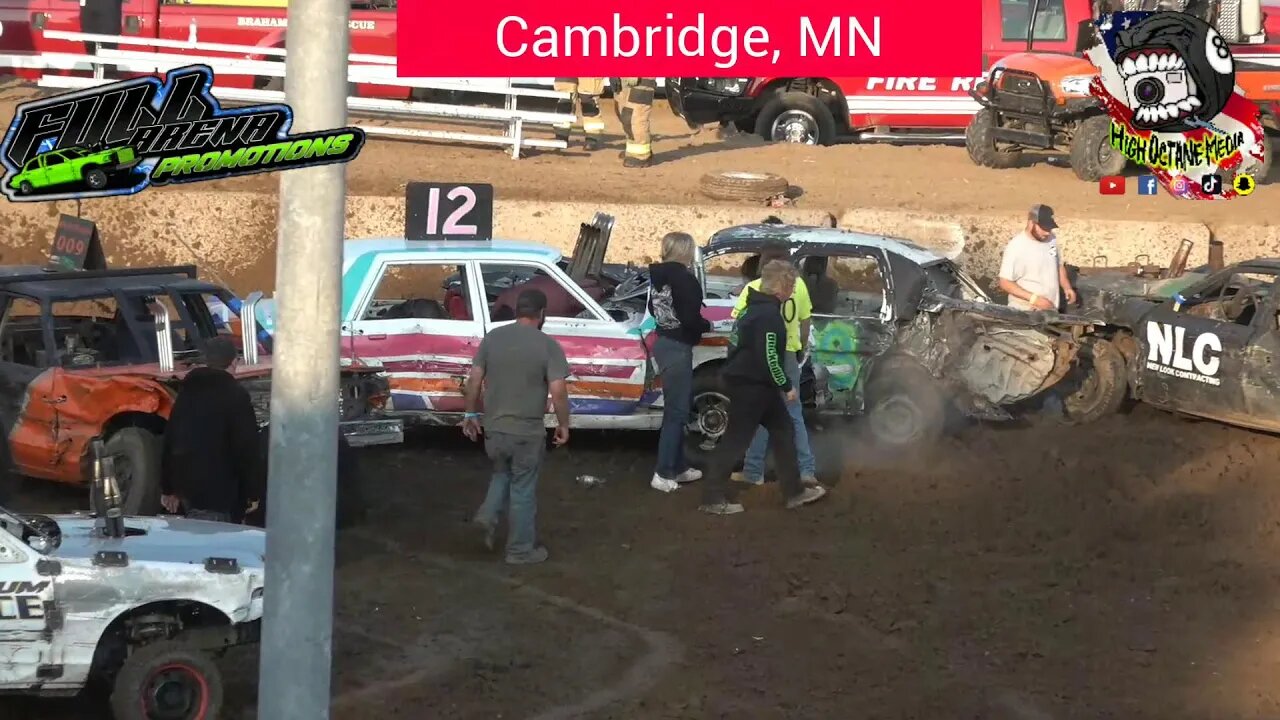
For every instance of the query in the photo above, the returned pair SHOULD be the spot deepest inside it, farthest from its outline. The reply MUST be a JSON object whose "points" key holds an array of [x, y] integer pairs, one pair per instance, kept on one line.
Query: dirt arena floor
{"points": [[1126, 570], [1122, 570]]}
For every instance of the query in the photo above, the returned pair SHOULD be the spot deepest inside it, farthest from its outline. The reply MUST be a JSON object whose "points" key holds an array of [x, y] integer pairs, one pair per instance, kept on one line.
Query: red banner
{"points": [[723, 38]]}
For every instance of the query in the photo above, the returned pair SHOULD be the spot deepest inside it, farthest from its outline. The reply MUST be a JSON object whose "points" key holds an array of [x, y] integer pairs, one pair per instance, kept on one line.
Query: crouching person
{"points": [[759, 390]]}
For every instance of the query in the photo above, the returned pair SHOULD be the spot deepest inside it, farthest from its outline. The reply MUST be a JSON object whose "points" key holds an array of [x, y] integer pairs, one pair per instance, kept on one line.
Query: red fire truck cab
{"points": [[820, 110]]}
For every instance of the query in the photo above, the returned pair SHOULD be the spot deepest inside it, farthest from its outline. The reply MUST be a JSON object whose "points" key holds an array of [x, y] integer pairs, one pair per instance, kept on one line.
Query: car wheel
{"points": [[96, 179], [1101, 386], [796, 117], [136, 455], [167, 680], [979, 140], [9, 479], [1092, 157], [905, 406], [25, 188], [708, 416]]}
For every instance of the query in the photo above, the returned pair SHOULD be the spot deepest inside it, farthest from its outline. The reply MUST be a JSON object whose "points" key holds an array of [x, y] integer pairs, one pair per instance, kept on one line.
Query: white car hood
{"points": [[164, 539]]}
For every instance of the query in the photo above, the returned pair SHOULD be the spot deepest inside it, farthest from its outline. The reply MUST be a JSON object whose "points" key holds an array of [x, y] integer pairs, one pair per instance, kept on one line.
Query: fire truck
{"points": [[821, 110], [256, 23]]}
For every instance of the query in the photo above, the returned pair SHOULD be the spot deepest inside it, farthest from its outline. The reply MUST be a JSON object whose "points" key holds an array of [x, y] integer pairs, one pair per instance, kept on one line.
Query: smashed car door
{"points": [[423, 333], [1261, 377], [852, 323], [26, 598], [607, 358]]}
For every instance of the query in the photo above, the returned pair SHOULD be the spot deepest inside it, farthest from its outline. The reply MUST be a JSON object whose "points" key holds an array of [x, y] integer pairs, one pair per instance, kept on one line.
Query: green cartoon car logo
{"points": [[72, 166]]}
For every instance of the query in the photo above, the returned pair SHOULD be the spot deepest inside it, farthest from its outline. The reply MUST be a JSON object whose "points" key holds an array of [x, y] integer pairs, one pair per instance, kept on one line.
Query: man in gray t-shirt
{"points": [[1031, 271], [518, 366]]}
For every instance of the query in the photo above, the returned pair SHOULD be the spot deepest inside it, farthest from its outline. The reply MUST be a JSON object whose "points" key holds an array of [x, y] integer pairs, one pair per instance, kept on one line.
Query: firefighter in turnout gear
{"points": [[633, 104], [587, 92]]}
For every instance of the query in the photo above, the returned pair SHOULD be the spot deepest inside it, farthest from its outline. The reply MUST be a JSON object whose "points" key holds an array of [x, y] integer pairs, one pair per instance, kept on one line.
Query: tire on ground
{"points": [[979, 140], [824, 121], [1092, 157], [905, 406], [756, 187], [1102, 386], [144, 664], [140, 449]]}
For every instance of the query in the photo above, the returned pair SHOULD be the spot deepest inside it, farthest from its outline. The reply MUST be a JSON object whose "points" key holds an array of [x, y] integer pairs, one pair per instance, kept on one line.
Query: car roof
{"points": [[90, 284], [500, 249], [748, 238]]}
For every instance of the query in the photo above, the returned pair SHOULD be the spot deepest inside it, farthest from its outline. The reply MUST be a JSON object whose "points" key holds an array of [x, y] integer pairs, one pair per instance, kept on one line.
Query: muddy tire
{"points": [[1102, 385], [169, 680], [137, 462], [809, 118], [708, 416], [95, 178], [905, 407], [756, 187], [979, 140], [1092, 157]]}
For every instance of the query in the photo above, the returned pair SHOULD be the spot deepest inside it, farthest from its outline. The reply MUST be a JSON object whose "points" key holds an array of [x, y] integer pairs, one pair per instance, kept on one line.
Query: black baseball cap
{"points": [[1042, 215]]}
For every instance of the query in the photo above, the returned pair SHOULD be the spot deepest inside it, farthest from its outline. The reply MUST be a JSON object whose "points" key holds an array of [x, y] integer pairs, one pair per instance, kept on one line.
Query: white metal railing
{"points": [[362, 69]]}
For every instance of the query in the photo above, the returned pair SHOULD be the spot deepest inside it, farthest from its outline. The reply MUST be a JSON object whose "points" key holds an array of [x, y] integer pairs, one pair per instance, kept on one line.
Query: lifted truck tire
{"points": [[905, 406], [800, 107], [139, 451], [1102, 387], [167, 679], [756, 187], [1092, 157], [979, 140]]}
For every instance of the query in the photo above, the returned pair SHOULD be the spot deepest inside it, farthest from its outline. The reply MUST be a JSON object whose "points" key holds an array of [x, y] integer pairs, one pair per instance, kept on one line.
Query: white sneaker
{"points": [[690, 475], [660, 483]]}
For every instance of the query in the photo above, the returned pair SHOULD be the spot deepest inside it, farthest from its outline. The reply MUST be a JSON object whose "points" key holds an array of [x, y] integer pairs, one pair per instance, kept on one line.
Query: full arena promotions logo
{"points": [[1167, 79]]}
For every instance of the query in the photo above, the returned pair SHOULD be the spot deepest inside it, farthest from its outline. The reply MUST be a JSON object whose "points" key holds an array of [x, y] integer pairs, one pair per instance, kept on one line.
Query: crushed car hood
{"points": [[163, 539]]}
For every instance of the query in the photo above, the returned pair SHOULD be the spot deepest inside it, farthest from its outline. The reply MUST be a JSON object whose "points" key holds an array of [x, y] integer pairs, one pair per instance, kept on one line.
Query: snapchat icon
{"points": [[1243, 184]]}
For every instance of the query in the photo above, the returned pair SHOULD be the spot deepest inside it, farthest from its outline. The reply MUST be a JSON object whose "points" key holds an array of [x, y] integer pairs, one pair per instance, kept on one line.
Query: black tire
{"points": [[809, 111], [756, 187], [137, 462], [168, 672], [1101, 384], [709, 415], [979, 140], [8, 477], [1092, 157], [25, 188], [95, 178], [905, 406]]}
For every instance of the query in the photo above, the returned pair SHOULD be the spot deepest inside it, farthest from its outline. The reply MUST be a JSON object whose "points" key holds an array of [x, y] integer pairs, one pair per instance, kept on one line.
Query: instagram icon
{"points": [[1179, 185]]}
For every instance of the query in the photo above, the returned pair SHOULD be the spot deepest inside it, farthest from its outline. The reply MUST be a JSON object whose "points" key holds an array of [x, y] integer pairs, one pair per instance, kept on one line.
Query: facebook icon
{"points": [[1147, 185]]}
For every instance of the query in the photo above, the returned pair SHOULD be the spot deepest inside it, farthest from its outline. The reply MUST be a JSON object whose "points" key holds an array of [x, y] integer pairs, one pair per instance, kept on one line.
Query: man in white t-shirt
{"points": [[1031, 271]]}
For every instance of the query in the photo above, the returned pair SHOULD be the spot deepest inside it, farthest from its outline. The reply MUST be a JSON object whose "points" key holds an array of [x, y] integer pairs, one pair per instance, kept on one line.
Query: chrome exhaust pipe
{"points": [[164, 335], [249, 327]]}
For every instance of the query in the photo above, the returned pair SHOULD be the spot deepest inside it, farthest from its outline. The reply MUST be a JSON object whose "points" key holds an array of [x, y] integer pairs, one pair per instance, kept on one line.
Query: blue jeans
{"points": [[517, 462], [675, 367], [753, 464]]}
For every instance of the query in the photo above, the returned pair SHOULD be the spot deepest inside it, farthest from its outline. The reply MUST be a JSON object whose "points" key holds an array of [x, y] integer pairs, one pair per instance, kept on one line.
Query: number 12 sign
{"points": [[448, 211]]}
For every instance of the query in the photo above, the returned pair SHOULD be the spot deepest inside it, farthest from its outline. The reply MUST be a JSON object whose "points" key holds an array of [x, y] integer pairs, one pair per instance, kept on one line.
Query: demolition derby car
{"points": [[905, 335], [137, 606], [1202, 343], [100, 354]]}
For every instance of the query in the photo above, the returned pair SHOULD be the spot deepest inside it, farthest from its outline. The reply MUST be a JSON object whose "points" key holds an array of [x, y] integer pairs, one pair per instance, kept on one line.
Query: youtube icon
{"points": [[1113, 185]]}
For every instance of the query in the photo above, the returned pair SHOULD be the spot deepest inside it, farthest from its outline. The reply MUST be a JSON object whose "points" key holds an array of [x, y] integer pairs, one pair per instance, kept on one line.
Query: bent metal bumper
{"points": [[382, 431]]}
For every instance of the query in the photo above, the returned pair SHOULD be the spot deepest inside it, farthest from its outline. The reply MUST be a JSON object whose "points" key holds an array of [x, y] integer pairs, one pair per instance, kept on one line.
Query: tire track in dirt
{"points": [[664, 650]]}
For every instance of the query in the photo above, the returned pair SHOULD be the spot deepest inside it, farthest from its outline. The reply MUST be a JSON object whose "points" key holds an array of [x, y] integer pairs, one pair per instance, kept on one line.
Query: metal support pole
{"points": [[297, 639]]}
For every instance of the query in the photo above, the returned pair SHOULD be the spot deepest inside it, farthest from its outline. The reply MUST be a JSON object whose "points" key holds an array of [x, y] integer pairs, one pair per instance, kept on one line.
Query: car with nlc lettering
{"points": [[100, 355], [72, 166], [1204, 343], [904, 335]]}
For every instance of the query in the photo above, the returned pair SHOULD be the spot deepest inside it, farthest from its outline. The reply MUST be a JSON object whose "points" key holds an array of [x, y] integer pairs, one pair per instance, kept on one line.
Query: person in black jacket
{"points": [[675, 301], [758, 390], [210, 455]]}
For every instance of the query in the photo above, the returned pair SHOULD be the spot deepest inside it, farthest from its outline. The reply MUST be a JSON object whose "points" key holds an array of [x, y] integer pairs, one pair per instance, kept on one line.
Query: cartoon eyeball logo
{"points": [[1177, 70]]}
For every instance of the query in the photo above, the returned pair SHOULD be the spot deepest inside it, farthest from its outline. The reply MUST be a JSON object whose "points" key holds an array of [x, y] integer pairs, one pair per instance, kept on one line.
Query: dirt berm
{"points": [[231, 236]]}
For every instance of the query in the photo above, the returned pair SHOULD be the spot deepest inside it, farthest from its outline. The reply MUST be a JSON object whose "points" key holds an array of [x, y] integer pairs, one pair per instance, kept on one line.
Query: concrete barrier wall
{"points": [[231, 236]]}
